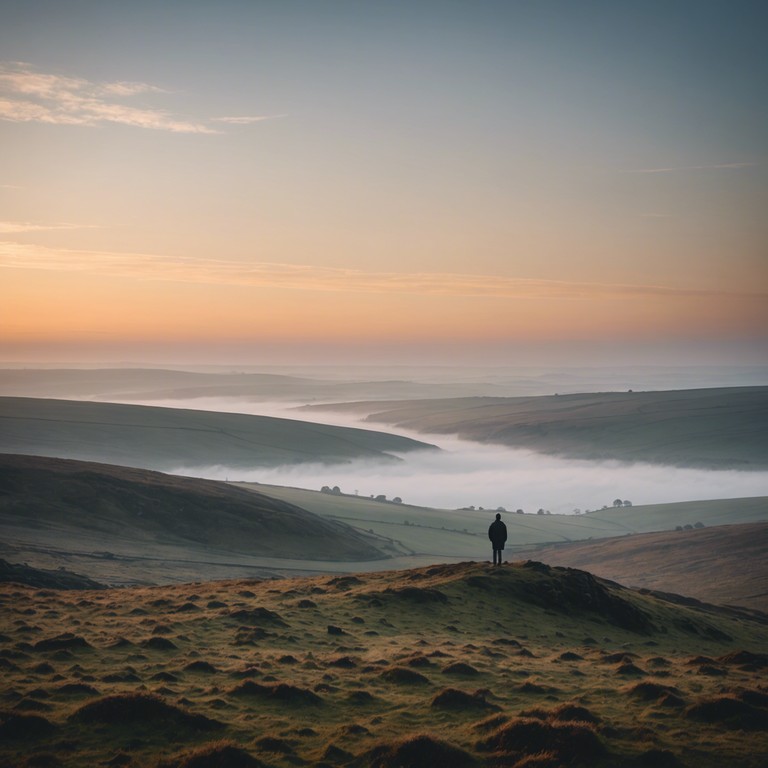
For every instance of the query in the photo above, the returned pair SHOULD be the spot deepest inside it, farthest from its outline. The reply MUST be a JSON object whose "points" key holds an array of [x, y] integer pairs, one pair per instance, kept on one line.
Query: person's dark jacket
{"points": [[497, 533]]}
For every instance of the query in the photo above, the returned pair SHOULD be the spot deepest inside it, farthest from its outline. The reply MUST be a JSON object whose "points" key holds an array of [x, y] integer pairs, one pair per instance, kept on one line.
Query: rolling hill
{"points": [[171, 438], [120, 525], [706, 428], [136, 384], [463, 532], [724, 564], [109, 512]]}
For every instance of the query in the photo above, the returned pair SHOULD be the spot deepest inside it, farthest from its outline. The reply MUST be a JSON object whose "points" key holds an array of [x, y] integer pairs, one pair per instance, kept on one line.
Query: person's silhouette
{"points": [[497, 533]]}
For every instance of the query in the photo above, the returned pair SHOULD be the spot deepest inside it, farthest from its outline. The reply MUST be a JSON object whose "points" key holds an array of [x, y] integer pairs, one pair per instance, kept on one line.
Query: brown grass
{"points": [[376, 694]]}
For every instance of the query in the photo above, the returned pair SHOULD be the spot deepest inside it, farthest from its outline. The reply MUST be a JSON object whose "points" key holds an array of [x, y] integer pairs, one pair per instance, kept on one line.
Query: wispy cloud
{"points": [[16, 227], [30, 96], [681, 168], [327, 279], [246, 119]]}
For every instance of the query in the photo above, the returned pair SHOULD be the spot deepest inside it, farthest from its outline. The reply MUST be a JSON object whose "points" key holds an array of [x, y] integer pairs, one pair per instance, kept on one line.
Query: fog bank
{"points": [[471, 474]]}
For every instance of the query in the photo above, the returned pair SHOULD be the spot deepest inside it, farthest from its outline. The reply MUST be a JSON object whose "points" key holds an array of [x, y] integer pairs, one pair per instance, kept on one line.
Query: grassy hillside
{"points": [[708, 428], [86, 506], [463, 532], [119, 525], [453, 665], [723, 564], [169, 438]]}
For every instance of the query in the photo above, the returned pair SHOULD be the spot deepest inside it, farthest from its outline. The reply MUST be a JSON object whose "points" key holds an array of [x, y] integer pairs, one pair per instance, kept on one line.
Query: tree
{"points": [[627, 503], [500, 509], [519, 512], [617, 502], [397, 500]]}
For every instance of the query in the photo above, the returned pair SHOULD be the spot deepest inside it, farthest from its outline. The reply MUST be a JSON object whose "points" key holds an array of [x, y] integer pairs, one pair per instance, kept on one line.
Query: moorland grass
{"points": [[213, 699]]}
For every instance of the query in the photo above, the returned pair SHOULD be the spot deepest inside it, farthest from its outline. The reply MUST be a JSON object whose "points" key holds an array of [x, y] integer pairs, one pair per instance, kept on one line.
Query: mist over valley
{"points": [[463, 473]]}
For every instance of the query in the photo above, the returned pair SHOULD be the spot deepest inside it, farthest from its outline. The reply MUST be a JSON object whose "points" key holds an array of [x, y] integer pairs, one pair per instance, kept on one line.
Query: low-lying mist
{"points": [[466, 474]]}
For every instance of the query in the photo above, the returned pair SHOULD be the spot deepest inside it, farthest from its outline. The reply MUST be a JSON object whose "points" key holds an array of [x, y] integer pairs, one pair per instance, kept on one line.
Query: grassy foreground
{"points": [[449, 665]]}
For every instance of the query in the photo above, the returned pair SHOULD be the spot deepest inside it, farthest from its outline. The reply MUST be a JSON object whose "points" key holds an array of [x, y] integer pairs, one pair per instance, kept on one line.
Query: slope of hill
{"points": [[459, 666], [463, 532], [79, 506], [169, 438], [708, 428], [44, 578], [724, 564], [120, 525]]}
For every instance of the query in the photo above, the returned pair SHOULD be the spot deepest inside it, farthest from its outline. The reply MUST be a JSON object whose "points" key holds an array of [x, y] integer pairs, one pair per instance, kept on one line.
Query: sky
{"points": [[349, 180]]}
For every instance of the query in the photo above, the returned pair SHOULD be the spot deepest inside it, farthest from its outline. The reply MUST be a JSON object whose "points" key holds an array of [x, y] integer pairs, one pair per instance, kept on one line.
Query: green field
{"points": [[463, 533]]}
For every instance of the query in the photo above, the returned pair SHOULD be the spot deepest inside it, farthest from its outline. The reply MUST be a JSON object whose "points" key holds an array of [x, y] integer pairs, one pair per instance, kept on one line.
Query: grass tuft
{"points": [[452, 698], [416, 751], [220, 754], [139, 708], [404, 676], [576, 742]]}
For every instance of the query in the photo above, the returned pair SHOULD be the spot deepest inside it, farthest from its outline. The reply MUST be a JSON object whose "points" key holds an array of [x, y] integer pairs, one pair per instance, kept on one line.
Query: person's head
{"points": [[498, 515]]}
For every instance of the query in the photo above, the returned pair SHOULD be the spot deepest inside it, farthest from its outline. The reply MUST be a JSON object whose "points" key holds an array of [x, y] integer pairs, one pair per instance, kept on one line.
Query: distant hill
{"points": [[77, 505], [706, 428], [171, 438], [724, 564], [131, 384]]}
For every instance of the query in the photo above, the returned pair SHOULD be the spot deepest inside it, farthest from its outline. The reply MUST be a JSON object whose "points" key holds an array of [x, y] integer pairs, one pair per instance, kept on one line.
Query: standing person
{"points": [[497, 533]]}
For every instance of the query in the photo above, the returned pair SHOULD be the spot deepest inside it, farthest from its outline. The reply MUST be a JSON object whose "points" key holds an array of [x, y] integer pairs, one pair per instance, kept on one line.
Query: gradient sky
{"points": [[399, 181]]}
